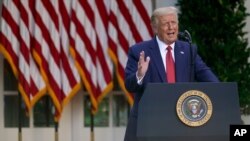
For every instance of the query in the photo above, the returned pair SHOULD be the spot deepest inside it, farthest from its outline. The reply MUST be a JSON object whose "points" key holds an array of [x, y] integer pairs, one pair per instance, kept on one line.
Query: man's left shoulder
{"points": [[181, 43]]}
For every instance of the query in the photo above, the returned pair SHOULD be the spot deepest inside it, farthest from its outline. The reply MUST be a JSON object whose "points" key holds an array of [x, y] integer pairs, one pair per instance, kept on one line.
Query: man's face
{"points": [[168, 28]]}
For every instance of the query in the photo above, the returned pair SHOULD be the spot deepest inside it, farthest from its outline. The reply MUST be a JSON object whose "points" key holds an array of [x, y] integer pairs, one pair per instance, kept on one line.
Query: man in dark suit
{"points": [[147, 62]]}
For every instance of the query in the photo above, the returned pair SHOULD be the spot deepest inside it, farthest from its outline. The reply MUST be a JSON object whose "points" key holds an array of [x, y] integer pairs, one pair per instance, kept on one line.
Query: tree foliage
{"points": [[217, 27]]}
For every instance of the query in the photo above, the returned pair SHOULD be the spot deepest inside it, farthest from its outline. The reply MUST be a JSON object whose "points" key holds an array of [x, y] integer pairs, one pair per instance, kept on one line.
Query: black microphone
{"points": [[181, 35], [185, 36], [188, 36]]}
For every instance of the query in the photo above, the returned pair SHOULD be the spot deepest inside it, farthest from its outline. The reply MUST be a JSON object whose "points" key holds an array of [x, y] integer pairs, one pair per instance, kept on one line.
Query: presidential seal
{"points": [[194, 108]]}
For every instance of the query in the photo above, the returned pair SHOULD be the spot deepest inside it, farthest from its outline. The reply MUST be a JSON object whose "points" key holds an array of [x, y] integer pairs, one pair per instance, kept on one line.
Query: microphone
{"points": [[188, 35], [185, 36], [181, 35]]}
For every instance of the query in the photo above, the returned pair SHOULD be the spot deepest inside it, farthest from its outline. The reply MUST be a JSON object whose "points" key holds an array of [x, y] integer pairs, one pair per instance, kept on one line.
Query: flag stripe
{"points": [[142, 10], [84, 38], [37, 85], [70, 75], [102, 47], [124, 27], [47, 49], [125, 12], [11, 46]]}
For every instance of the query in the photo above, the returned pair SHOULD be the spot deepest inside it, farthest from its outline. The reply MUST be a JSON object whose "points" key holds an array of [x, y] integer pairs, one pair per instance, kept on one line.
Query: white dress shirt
{"points": [[163, 51]]}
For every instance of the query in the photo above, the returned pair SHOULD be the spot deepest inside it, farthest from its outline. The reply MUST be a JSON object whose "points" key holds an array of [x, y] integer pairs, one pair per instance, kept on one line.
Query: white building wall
{"points": [[247, 27], [162, 3], [1, 97]]}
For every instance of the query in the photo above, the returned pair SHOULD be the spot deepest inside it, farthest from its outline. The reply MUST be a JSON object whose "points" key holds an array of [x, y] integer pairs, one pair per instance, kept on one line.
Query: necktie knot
{"points": [[169, 48]]}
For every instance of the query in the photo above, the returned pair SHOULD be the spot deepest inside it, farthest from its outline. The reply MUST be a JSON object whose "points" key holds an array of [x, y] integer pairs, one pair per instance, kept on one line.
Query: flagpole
{"points": [[19, 117], [47, 110], [91, 125], [56, 131]]}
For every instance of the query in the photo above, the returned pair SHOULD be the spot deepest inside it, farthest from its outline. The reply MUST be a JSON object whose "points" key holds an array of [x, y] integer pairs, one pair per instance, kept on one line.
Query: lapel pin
{"points": [[182, 52]]}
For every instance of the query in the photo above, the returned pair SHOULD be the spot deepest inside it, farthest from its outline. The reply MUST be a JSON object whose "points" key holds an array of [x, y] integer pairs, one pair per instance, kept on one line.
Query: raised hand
{"points": [[142, 65]]}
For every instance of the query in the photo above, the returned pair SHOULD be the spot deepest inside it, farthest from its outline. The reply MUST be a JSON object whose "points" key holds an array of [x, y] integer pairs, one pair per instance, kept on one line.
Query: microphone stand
{"points": [[191, 79], [189, 39]]}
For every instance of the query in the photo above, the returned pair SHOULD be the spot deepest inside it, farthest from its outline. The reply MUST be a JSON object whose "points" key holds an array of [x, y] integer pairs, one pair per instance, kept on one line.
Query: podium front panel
{"points": [[158, 120]]}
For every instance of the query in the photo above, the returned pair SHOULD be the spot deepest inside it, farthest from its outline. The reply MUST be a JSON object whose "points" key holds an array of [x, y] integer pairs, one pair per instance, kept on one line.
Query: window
{"points": [[10, 81], [44, 113], [43, 110], [11, 112], [11, 101], [120, 110], [120, 106], [101, 118]]}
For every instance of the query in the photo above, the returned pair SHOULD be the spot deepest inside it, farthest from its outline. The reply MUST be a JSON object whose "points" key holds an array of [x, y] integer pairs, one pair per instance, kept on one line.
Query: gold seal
{"points": [[194, 108]]}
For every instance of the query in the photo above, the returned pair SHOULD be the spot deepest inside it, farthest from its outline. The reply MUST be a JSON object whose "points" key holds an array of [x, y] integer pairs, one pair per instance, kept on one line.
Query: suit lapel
{"points": [[156, 58], [179, 62]]}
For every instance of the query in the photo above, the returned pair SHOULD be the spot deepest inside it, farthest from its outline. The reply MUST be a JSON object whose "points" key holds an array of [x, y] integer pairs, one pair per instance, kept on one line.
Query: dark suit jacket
{"points": [[156, 73]]}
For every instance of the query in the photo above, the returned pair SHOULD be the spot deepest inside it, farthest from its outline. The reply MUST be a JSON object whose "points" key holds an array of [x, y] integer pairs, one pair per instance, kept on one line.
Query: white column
{"points": [[1, 100]]}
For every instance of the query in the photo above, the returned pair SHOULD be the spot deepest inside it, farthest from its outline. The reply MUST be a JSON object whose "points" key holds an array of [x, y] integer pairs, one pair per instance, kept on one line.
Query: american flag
{"points": [[89, 48], [46, 42], [54, 44], [51, 51], [35, 41], [15, 36], [70, 76], [129, 23]]}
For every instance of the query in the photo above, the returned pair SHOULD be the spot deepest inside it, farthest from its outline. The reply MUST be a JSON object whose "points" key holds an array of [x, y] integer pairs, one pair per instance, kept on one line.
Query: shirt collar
{"points": [[162, 45]]}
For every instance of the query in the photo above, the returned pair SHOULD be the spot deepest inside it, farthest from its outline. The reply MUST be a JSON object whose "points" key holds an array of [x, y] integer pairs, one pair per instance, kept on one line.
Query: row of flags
{"points": [[56, 46]]}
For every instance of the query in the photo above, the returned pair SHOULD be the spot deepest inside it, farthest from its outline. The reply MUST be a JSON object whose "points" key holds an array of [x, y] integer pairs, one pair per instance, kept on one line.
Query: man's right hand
{"points": [[142, 65]]}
